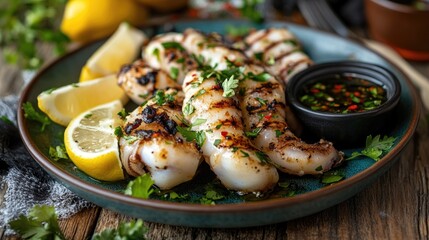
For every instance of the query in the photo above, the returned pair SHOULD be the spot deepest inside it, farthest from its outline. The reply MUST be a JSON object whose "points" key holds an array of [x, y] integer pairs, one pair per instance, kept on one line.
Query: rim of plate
{"points": [[76, 182]]}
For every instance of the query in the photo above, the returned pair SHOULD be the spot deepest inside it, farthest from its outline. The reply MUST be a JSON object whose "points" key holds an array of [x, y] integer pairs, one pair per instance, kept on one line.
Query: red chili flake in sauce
{"points": [[342, 94], [224, 133], [268, 117]]}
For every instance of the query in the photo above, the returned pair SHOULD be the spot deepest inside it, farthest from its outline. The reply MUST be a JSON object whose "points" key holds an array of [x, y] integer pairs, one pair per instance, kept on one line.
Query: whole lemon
{"points": [[89, 20]]}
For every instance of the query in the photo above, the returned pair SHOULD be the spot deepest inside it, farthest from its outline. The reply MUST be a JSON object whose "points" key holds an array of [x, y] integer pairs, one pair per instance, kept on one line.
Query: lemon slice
{"points": [[91, 143], [63, 104], [121, 48]]}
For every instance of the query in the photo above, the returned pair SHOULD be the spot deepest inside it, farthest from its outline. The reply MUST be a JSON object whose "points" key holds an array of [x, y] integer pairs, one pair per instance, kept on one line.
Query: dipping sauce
{"points": [[342, 94]]}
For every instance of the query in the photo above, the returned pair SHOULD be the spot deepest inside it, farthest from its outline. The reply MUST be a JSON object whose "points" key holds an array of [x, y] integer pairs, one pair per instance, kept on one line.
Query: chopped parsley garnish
{"points": [[144, 96], [89, 115], [199, 93], [173, 45], [237, 31], [188, 109], [219, 126], [291, 42], [189, 135], [58, 152], [263, 158], [319, 168], [174, 72], [271, 61], [130, 139], [175, 196], [254, 133], [198, 122], [375, 147], [210, 197], [123, 114], [118, 131], [156, 53], [180, 60], [141, 187], [217, 142], [278, 133], [261, 77], [229, 86], [32, 114], [49, 91], [262, 101], [161, 97], [259, 56], [245, 154]]}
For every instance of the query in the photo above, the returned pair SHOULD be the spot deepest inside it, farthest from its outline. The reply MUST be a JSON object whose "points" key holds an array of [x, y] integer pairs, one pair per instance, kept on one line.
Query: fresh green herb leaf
{"points": [[49, 91], [291, 42], [189, 135], [200, 138], [284, 184], [174, 72], [133, 230], [175, 196], [41, 223], [331, 178], [217, 142], [262, 101], [210, 197], [229, 86], [180, 60], [250, 11], [237, 31], [188, 109], [5, 119], [141, 187], [123, 114], [219, 126], [271, 61], [173, 45], [87, 116], [375, 147], [161, 97], [259, 56], [198, 122], [57, 153], [156, 53], [245, 154], [263, 158], [75, 85], [130, 139], [199, 93], [261, 77], [319, 168], [254, 133], [118, 131], [278, 133], [32, 114], [144, 96], [234, 149]]}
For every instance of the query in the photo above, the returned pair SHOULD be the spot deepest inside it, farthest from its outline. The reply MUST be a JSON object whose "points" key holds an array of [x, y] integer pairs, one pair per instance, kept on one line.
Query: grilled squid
{"points": [[218, 121], [166, 52], [278, 51], [140, 82], [210, 51], [263, 106], [151, 143]]}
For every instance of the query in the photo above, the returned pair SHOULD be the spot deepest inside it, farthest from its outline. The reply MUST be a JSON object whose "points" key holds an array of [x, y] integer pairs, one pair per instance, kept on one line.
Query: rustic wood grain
{"points": [[81, 225]]}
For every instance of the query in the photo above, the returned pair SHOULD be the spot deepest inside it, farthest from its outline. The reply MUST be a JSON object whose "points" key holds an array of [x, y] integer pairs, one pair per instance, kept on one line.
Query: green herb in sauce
{"points": [[345, 94]]}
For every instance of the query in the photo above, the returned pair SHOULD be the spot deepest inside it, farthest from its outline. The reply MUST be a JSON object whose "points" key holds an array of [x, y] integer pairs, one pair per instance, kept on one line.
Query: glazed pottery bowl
{"points": [[403, 27], [344, 129]]}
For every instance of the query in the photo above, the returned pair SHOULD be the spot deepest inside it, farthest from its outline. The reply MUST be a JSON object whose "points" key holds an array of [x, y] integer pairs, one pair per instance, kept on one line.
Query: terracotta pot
{"points": [[403, 27]]}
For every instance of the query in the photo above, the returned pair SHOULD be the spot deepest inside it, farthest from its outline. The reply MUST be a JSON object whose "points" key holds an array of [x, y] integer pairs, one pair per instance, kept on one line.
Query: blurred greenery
{"points": [[23, 23]]}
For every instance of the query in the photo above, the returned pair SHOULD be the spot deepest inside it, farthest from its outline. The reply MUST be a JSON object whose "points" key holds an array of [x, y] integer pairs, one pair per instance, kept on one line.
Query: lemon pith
{"points": [[91, 144]]}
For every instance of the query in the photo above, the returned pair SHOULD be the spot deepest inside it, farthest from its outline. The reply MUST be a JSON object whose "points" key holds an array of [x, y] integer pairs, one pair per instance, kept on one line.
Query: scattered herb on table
{"points": [[31, 114], [41, 223], [141, 187], [133, 230], [5, 119], [57, 153], [375, 147]]}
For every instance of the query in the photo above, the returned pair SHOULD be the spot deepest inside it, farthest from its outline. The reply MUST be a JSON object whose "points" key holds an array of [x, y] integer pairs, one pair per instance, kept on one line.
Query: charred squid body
{"points": [[218, 120], [166, 52], [151, 143], [278, 50], [140, 82], [263, 106]]}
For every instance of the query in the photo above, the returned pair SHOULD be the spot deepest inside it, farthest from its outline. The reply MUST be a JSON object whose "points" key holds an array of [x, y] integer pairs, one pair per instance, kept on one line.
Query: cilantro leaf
{"points": [[41, 223], [32, 114], [229, 86], [133, 230], [375, 147], [57, 153], [210, 197], [188, 109], [254, 133], [261, 77], [174, 72], [122, 114], [198, 122], [189, 135], [173, 45], [141, 187], [161, 98]]}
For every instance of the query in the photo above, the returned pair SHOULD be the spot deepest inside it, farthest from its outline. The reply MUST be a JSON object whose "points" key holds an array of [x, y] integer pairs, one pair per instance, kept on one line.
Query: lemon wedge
{"points": [[91, 143], [121, 48], [63, 104]]}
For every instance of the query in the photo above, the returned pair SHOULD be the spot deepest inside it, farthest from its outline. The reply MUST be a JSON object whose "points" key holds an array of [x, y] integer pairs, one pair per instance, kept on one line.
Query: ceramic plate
{"points": [[306, 195]]}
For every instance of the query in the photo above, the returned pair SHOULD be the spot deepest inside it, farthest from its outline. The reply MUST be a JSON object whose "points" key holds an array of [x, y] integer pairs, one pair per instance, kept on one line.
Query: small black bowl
{"points": [[344, 129]]}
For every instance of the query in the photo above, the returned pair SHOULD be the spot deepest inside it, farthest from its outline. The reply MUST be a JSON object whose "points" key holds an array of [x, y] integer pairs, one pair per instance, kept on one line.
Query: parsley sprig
{"points": [[141, 187], [31, 114], [375, 147]]}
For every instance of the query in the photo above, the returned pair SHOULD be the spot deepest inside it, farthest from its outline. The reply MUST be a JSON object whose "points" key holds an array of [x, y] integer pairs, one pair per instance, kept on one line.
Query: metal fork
{"points": [[320, 15]]}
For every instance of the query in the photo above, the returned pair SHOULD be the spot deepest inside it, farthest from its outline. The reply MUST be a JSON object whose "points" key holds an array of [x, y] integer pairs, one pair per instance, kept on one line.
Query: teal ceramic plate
{"points": [[304, 196]]}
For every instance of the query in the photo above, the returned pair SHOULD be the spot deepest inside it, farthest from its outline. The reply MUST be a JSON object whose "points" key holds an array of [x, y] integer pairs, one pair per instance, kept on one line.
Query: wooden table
{"points": [[396, 206]]}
